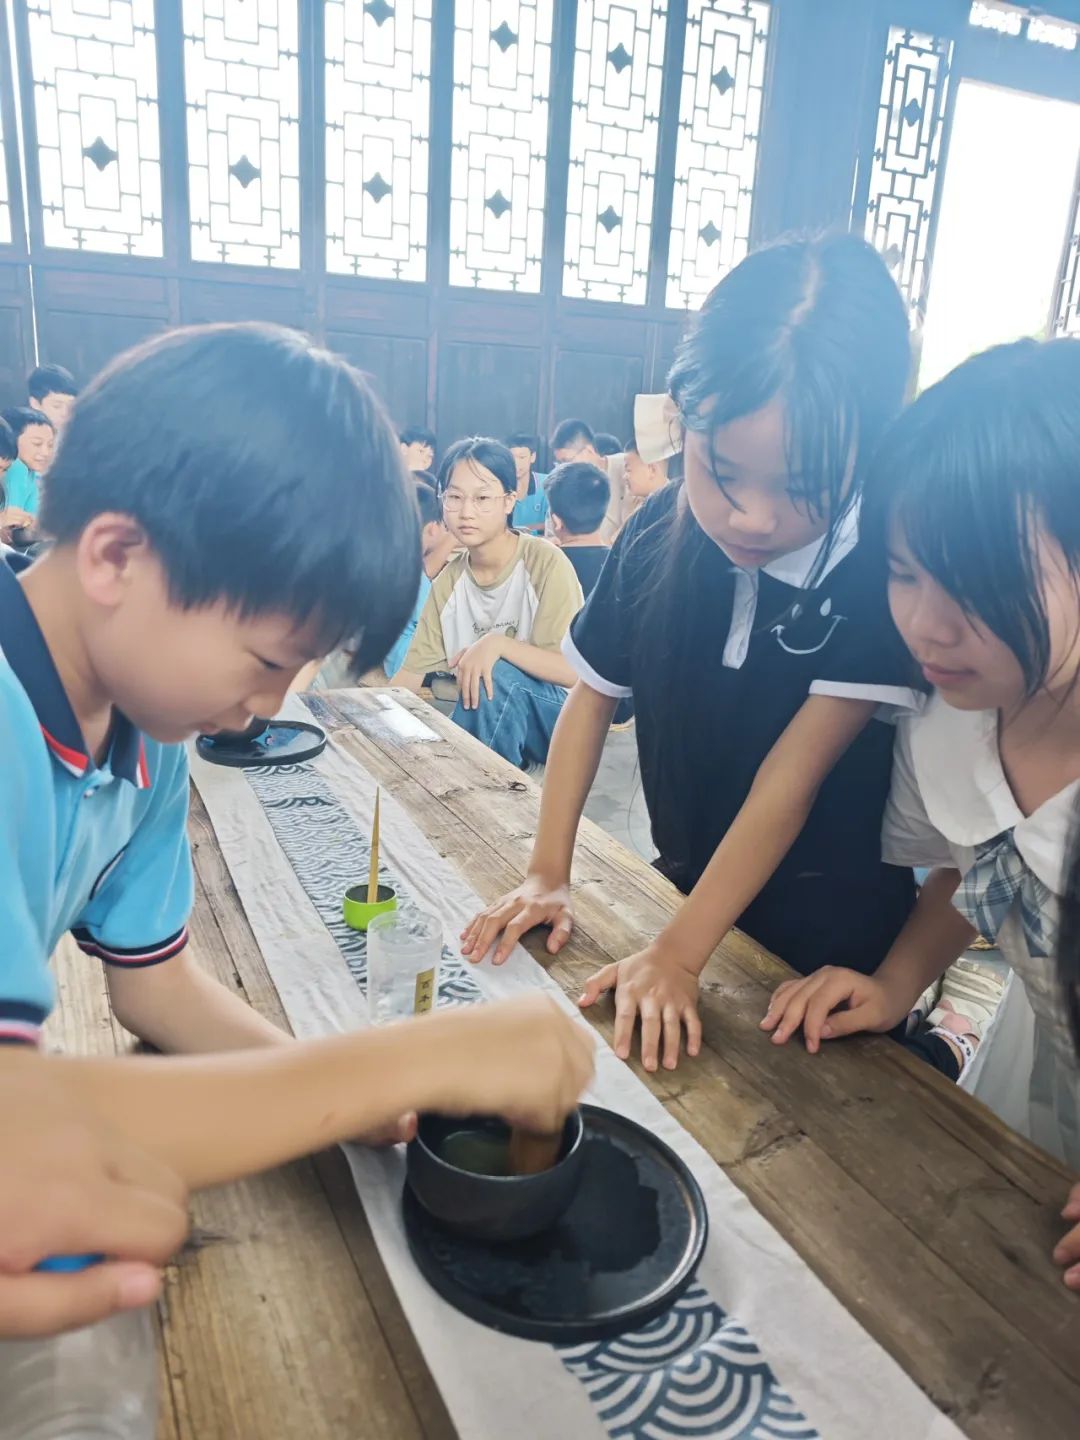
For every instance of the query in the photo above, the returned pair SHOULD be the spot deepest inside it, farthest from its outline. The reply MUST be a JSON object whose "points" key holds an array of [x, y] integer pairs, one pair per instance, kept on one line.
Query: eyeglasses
{"points": [[482, 504]]}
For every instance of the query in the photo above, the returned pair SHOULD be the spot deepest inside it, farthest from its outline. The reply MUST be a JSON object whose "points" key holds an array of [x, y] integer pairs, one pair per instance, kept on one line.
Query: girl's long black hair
{"points": [[1068, 950], [970, 472], [818, 324]]}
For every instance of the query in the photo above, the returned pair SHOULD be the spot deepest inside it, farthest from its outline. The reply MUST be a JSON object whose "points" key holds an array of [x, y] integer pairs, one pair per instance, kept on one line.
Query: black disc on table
{"points": [[623, 1252], [283, 742]]}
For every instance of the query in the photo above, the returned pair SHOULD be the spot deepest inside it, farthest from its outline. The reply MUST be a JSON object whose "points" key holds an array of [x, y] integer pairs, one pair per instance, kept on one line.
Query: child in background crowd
{"points": [[52, 390], [433, 557], [754, 636], [578, 495], [574, 440], [159, 612], [642, 480], [498, 613], [34, 438], [531, 508], [417, 448], [11, 518], [974, 496], [606, 446]]}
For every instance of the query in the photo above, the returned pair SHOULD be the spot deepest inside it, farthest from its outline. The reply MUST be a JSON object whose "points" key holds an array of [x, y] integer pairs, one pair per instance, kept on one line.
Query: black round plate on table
{"points": [[623, 1252], [283, 742]]}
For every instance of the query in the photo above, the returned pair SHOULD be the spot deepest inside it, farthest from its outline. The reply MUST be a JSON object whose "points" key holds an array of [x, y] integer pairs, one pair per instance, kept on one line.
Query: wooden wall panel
{"points": [[396, 366], [486, 390], [598, 387], [86, 342]]}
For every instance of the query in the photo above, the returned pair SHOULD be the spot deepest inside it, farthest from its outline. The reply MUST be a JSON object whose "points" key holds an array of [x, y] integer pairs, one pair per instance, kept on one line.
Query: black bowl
{"points": [[251, 731], [493, 1208]]}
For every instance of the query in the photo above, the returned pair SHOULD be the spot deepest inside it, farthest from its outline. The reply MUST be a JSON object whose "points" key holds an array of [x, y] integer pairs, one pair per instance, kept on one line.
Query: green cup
{"points": [[358, 913]]}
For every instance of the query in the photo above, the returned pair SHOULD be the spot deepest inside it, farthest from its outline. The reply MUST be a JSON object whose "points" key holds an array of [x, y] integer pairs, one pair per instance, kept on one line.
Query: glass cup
{"points": [[404, 948]]}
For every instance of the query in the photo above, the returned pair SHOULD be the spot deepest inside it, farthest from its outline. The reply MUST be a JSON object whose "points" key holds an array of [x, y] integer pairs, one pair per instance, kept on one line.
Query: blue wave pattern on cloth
{"points": [[694, 1372]]}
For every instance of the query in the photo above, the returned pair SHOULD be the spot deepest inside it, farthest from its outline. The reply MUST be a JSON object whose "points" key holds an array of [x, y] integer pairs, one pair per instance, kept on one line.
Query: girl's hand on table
{"points": [[536, 901], [830, 1003], [1067, 1252], [655, 985]]}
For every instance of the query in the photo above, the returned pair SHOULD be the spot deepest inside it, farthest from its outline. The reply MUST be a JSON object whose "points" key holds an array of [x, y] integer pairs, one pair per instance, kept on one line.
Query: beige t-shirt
{"points": [[532, 600]]}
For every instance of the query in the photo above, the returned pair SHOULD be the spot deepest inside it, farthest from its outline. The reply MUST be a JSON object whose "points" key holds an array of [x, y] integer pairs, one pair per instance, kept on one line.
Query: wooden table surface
{"points": [[929, 1220]]}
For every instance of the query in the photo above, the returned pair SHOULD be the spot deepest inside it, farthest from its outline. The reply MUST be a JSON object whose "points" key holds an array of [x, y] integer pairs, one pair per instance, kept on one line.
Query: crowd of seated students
{"points": [[496, 596], [28, 435]]}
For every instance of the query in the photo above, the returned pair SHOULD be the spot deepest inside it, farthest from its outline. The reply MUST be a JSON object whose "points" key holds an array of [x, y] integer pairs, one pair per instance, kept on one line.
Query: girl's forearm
{"points": [[547, 665], [767, 825], [573, 760], [934, 936]]}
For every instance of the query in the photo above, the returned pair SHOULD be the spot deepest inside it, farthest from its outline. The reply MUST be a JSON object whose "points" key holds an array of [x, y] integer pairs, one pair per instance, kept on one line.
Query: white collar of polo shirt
{"points": [[794, 569]]}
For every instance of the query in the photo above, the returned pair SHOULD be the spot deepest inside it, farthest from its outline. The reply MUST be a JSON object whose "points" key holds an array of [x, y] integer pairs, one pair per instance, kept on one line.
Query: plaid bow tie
{"points": [[990, 889]]}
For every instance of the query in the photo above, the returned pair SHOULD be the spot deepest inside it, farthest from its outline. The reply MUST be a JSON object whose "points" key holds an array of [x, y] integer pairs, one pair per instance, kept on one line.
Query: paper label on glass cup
{"points": [[425, 992]]}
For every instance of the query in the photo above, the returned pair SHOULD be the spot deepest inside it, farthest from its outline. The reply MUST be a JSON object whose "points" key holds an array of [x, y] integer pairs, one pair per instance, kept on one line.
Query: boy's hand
{"points": [[526, 1060], [400, 1132], [536, 901], [664, 992], [830, 1003], [71, 1186], [1067, 1253], [473, 667]]}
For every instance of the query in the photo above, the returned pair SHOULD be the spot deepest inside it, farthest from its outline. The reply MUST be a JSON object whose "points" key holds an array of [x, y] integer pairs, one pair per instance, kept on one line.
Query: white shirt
{"points": [[949, 795]]}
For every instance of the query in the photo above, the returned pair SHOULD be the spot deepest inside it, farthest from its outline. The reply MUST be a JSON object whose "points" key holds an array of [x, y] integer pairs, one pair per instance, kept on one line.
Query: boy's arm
{"points": [[180, 1009], [216, 1118]]}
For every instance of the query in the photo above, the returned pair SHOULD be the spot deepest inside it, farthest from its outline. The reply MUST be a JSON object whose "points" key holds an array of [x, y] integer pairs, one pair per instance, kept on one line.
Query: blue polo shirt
{"points": [[21, 487], [531, 511], [101, 851]]}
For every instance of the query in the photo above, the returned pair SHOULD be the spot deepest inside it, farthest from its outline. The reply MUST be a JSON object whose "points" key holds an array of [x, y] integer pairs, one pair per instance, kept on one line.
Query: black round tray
{"points": [[283, 742], [623, 1252]]}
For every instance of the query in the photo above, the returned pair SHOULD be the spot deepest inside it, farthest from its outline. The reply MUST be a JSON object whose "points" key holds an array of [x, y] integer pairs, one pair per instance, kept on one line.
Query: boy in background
{"points": [[531, 509], [417, 448], [34, 439], [433, 557], [574, 440], [578, 494], [10, 518], [642, 479], [52, 390], [606, 446], [159, 612]]}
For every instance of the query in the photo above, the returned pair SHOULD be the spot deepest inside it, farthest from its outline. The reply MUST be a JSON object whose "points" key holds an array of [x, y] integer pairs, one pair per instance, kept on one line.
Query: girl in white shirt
{"points": [[977, 496]]}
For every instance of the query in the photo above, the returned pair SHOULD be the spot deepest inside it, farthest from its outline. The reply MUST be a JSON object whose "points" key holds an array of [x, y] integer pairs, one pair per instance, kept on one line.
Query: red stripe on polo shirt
{"points": [[143, 768], [75, 760], [153, 955], [19, 1032]]}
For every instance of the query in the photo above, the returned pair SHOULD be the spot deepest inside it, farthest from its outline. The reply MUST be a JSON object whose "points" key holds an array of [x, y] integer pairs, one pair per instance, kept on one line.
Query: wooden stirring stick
{"points": [[373, 873], [530, 1154]]}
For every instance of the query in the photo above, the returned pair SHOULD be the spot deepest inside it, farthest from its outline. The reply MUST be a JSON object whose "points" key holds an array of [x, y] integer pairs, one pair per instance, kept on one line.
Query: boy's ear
{"points": [[107, 555]]}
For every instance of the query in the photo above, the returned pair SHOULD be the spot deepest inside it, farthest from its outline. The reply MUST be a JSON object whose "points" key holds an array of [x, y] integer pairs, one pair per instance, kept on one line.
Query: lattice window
{"points": [[502, 73], [720, 107], [242, 85], [1067, 299], [5, 201], [907, 148], [96, 110], [614, 133], [378, 124]]}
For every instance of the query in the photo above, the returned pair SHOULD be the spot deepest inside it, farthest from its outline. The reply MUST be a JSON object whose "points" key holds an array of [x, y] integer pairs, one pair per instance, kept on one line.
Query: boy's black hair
{"points": [[427, 501], [21, 417], [972, 470], [417, 435], [572, 432], [219, 500], [47, 380], [425, 477], [578, 494], [607, 444], [481, 450], [522, 440], [9, 444]]}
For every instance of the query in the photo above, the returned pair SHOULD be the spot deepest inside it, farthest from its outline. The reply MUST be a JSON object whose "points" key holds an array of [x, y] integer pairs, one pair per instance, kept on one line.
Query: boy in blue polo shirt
{"points": [[178, 598], [34, 441]]}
